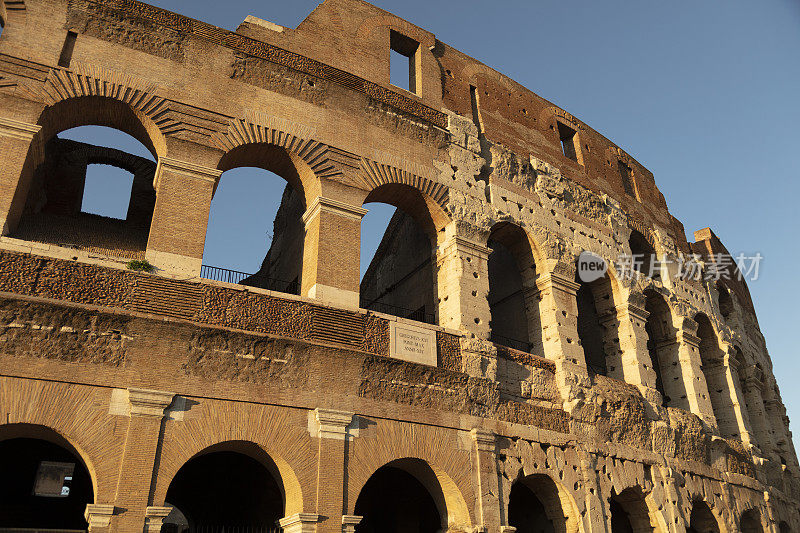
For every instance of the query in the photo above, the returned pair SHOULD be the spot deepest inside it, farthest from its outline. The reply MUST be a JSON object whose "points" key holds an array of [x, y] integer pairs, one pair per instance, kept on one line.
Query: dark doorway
{"points": [[394, 501], [45, 486], [526, 512]]}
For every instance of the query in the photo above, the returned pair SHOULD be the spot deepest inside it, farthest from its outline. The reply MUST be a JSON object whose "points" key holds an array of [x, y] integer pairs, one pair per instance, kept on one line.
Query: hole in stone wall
{"points": [[403, 61]]}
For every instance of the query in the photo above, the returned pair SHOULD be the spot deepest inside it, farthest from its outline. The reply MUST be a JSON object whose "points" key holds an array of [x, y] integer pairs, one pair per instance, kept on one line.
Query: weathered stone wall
{"points": [[141, 372]]}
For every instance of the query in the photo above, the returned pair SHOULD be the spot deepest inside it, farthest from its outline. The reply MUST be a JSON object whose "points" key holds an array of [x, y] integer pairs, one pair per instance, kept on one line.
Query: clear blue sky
{"points": [[704, 94]]}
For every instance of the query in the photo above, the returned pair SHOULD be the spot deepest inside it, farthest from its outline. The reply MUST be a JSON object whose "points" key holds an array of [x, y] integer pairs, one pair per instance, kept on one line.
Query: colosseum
{"points": [[472, 381]]}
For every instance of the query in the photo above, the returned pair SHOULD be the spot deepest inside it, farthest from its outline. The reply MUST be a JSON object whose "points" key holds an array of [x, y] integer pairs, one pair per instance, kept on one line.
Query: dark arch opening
{"points": [[597, 324], [395, 501], [45, 485], [535, 506], [259, 198], [719, 391], [400, 278], [702, 520], [222, 488], [512, 269], [92, 190], [662, 345], [751, 522], [629, 513], [725, 300], [643, 254]]}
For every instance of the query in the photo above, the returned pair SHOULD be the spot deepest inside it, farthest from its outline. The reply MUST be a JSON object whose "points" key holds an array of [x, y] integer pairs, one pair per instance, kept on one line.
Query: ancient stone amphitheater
{"points": [[470, 382]]}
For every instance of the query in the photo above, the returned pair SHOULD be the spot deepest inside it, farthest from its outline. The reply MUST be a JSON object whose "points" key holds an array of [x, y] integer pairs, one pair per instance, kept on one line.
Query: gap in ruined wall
{"points": [[93, 190]]}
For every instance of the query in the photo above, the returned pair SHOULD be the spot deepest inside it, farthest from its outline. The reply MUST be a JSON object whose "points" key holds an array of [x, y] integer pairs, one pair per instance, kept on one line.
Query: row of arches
{"points": [[236, 484], [400, 279]]}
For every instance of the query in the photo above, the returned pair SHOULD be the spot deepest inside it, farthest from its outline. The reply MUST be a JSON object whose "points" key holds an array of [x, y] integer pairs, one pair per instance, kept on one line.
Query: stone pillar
{"points": [[697, 399], [485, 464], [332, 435], [98, 515], [636, 366], [558, 309], [735, 417], [15, 142], [331, 252], [753, 397], [154, 518], [594, 520], [349, 523], [462, 285], [180, 219], [300, 523], [138, 460]]}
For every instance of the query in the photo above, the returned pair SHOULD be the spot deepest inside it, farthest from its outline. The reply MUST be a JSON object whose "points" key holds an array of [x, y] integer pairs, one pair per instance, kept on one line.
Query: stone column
{"points": [[485, 464], [154, 518], [594, 520], [349, 523], [300, 523], [332, 434], [636, 366], [98, 515], [727, 376], [180, 219], [697, 399], [558, 309], [462, 285], [753, 395], [143, 439], [331, 252], [15, 142]]}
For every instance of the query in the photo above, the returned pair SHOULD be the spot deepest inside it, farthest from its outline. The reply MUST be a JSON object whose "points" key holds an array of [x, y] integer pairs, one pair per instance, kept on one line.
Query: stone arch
{"points": [[598, 325], [513, 302], [663, 348], [642, 248], [449, 501], [750, 521], [283, 474], [637, 509], [48, 434], [703, 519], [559, 508]]}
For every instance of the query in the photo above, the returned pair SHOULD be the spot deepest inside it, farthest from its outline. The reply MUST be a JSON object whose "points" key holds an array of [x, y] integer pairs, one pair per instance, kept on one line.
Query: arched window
{"points": [[93, 190], [720, 390], [598, 327], [512, 274], [400, 278], [537, 504], [255, 234], [662, 345], [702, 520], [395, 501], [751, 522], [233, 485], [644, 255], [725, 300], [45, 485], [629, 512]]}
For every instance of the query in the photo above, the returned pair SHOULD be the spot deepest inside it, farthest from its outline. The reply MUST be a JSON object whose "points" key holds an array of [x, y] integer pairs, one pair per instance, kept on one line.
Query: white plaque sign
{"points": [[412, 343]]}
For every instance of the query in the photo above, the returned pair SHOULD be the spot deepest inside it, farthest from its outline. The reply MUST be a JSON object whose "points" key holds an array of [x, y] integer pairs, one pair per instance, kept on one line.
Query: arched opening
{"points": [[93, 190], [46, 485], [399, 278], [537, 505], [259, 198], [228, 486], [720, 391], [751, 522], [629, 512], [643, 255], [512, 273], [395, 500], [662, 345], [702, 520], [598, 327], [725, 299]]}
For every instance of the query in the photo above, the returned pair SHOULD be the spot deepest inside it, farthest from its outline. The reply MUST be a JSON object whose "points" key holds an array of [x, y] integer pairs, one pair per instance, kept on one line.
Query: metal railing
{"points": [[419, 315], [227, 275], [515, 344]]}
